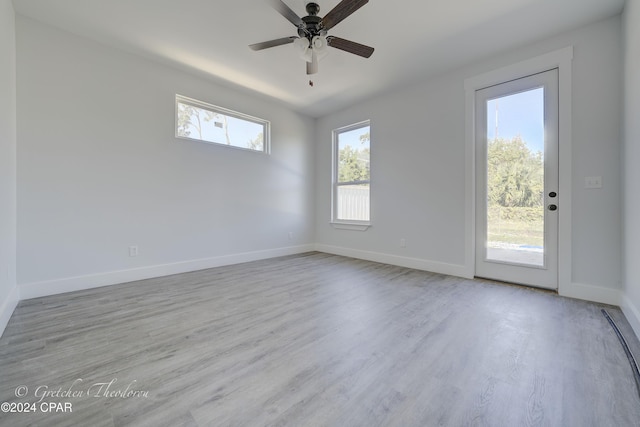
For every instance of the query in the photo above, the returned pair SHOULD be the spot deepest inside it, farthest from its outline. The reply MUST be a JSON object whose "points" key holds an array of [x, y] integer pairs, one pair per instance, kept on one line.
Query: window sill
{"points": [[350, 226]]}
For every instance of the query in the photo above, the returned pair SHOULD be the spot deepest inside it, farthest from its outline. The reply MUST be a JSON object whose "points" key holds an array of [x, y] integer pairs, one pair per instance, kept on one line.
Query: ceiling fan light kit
{"points": [[319, 45], [312, 42], [302, 45]]}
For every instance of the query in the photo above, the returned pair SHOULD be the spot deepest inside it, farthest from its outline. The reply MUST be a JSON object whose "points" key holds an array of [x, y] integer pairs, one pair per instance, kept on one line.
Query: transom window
{"points": [[200, 121], [352, 174]]}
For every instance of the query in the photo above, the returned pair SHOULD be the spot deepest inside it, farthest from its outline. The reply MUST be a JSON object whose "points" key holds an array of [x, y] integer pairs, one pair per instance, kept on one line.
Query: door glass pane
{"points": [[515, 178]]}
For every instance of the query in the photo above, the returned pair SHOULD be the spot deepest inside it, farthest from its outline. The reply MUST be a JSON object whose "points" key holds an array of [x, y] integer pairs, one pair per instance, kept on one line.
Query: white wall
{"points": [[8, 289], [417, 176], [631, 156], [418, 165], [99, 169]]}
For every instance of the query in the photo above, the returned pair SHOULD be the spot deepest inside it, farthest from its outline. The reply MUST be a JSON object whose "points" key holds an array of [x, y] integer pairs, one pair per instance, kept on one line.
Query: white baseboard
{"points": [[591, 293], [416, 263], [71, 284], [7, 308], [632, 313]]}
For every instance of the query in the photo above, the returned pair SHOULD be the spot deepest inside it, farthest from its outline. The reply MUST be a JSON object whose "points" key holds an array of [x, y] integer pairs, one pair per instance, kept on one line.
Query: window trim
{"points": [[266, 134], [346, 224]]}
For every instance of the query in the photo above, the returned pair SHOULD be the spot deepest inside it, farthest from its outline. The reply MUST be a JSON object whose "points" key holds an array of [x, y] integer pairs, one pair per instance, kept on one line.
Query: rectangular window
{"points": [[200, 121], [351, 174]]}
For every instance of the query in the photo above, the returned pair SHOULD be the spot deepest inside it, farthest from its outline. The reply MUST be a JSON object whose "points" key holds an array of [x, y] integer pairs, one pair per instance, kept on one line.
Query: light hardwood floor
{"points": [[318, 340]]}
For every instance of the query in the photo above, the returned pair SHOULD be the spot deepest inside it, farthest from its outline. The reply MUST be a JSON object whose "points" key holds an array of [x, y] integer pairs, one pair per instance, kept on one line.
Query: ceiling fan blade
{"points": [[312, 67], [272, 43], [286, 11], [341, 11], [349, 46]]}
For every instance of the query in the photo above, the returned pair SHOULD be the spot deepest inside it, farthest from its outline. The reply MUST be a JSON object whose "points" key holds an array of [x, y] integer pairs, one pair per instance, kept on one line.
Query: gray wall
{"points": [[8, 290], [418, 165], [631, 156], [100, 169]]}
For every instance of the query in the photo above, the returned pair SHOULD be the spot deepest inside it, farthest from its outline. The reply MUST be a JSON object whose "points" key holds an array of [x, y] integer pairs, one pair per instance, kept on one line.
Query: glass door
{"points": [[517, 181]]}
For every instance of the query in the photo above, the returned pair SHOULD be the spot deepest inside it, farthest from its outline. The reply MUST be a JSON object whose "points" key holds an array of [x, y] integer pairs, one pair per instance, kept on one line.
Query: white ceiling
{"points": [[413, 39]]}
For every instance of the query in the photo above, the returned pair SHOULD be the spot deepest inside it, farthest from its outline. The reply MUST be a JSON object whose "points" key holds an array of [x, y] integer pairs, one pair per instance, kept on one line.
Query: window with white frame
{"points": [[204, 122], [352, 174]]}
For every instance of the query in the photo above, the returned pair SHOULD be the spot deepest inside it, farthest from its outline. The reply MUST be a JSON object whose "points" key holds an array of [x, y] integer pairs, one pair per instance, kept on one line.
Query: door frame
{"points": [[561, 59]]}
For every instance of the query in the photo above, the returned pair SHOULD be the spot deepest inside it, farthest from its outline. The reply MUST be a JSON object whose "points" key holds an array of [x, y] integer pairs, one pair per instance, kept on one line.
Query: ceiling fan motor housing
{"points": [[312, 23]]}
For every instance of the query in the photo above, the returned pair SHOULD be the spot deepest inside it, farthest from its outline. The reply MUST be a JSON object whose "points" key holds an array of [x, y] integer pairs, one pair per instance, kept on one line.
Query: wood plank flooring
{"points": [[317, 340]]}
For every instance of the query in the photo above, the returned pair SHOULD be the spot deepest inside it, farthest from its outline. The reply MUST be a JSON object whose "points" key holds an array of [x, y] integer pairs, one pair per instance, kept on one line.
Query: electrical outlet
{"points": [[593, 182], [290, 235], [133, 251], [403, 243]]}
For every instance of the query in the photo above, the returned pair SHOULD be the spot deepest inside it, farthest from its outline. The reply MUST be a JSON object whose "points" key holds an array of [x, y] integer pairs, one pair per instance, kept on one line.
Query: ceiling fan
{"points": [[312, 40]]}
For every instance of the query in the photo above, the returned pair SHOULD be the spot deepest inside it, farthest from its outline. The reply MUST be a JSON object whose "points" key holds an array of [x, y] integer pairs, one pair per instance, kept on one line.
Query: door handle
{"points": [[553, 207]]}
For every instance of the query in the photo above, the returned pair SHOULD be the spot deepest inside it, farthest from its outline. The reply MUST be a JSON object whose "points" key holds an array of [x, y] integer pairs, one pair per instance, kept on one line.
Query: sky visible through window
{"points": [[215, 126], [352, 138], [240, 131], [518, 114]]}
